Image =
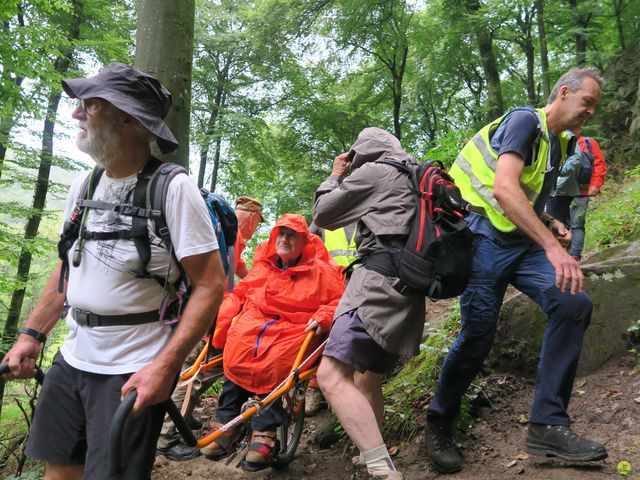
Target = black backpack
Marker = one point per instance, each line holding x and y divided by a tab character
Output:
149	195
586	164
436	258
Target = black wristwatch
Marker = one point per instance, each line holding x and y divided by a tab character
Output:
39	336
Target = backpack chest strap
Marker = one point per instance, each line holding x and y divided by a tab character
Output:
123	209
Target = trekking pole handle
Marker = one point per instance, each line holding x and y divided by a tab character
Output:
115	432
4	368
116	429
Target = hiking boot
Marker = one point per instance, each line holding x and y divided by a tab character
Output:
358	462
387	475
562	442
178	452
313	402
224	445
442	449
194	423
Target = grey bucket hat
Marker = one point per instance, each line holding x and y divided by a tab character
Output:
132	91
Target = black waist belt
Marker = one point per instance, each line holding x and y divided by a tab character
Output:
89	319
383	262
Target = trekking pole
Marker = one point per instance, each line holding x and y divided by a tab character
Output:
4	368
116	429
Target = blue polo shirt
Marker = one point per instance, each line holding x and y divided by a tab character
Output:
516	134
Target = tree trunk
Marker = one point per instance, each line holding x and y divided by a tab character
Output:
489	63
544	57
580	23
216	165
618	6
62	65
211	127
164	48
490	67
397	93
7	123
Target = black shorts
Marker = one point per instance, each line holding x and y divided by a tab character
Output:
72	420
350	343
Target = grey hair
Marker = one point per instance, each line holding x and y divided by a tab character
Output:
573	80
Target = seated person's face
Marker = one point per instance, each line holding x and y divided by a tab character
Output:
289	244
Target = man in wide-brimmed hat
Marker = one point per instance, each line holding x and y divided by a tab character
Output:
117	341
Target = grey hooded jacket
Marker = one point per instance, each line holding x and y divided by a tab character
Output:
378	197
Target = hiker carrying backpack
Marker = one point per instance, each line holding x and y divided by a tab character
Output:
585	171
436	259
147	202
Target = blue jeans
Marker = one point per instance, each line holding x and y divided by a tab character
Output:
578	220
526	267
572	211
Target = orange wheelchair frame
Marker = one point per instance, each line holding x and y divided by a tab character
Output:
292	389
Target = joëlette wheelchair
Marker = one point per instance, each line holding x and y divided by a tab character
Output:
291	390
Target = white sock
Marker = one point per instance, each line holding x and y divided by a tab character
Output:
378	460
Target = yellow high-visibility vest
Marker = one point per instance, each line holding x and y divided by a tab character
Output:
475	168
342	249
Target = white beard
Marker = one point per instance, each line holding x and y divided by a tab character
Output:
101	143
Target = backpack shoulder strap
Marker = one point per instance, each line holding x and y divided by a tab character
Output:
139	225
587	141
402	167
156	196
74	225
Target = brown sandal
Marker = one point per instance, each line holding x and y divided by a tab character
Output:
223	446
260	454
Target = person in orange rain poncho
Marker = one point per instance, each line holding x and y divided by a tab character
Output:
293	288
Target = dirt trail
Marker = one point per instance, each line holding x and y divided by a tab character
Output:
605	406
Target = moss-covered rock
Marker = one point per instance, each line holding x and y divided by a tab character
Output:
612	279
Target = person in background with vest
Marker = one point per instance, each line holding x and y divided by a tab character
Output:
571	199
249	213
170	444
375	323
506	172
341	244
116	341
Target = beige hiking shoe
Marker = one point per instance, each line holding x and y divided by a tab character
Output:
387	475
314	402
358	462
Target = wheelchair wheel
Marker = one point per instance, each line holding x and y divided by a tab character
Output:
290	431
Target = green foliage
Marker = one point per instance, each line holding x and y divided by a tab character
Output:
613	216
407	393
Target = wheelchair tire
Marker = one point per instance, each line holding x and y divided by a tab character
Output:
289	434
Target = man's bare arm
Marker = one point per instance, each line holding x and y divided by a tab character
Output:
24	354
155	381
512	199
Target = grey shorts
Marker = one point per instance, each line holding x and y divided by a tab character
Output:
72	420
350	343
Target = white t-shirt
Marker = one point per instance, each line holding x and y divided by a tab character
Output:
103	284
